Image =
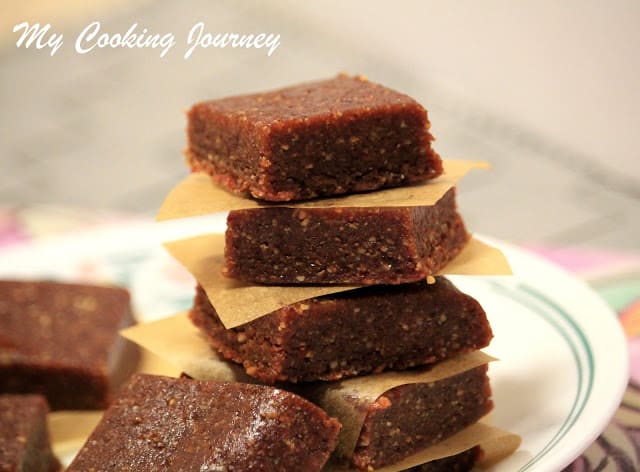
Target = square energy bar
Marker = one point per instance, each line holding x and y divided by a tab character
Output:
61	340
358	246
317	139
357	332
163	423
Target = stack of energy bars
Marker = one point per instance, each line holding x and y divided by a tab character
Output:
329	340
330	139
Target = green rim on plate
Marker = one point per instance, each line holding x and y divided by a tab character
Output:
581	351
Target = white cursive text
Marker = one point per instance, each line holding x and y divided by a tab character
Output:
89	38
198	38
36	34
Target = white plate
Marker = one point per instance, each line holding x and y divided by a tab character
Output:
564	362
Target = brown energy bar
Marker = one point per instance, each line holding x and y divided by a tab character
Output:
359	246
61	340
162	423
412	417
316	139
367	330
24	439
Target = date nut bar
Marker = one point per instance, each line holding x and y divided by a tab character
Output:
317	139
162	423
367	330
412	417
360	246
24	439
61	340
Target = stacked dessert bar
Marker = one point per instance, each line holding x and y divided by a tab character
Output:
329	139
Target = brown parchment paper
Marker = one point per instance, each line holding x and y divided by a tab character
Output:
69	430
198	195
179	342
496	444
238	303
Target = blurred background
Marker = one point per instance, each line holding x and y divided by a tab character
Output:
548	92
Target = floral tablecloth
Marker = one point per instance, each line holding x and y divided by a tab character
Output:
615	276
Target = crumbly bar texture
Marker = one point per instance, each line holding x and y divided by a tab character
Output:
162	423
24	439
317	139
368	330
61	340
409	418
462	462
360	246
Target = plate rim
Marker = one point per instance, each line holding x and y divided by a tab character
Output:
615	386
